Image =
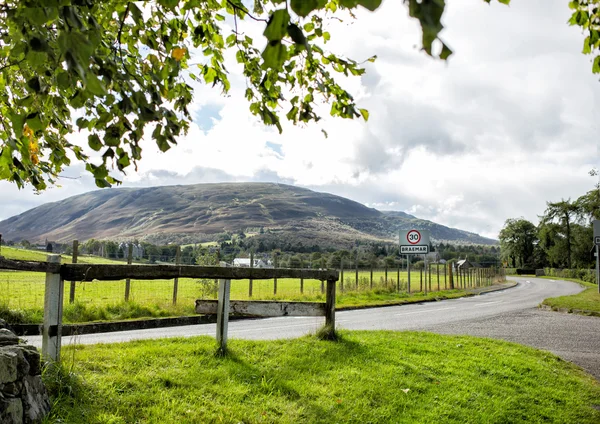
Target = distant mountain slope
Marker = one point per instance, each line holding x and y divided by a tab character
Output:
195	212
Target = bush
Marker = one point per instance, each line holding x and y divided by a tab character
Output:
587	275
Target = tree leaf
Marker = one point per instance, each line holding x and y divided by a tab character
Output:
304	7
446	52
297	35
94	142
274	55
178	53
94	85
596	65
349	4
102	183
364	113
372	5
34	122
277	26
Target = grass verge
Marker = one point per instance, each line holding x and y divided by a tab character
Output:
586	303
380	376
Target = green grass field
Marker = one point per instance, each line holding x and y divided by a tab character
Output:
587	302
36	255
366	377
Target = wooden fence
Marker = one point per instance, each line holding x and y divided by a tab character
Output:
57	273
431	277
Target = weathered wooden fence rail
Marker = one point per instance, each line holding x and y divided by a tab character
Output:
57	273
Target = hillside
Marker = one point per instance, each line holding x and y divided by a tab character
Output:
191	213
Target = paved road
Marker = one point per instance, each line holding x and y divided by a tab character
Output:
509	314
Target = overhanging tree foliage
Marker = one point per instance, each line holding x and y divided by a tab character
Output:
118	70
586	14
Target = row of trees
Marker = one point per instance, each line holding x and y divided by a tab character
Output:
562	239
365	254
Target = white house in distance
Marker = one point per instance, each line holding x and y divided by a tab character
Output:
137	250
466	264
258	263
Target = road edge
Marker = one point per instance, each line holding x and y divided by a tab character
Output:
471	293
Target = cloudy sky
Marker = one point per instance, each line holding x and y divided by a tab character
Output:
508	123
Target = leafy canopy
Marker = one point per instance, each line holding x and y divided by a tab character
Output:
586	14
117	69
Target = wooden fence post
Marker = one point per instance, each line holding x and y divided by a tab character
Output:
176	280
398	279
275	278
74	261
302	285
445	279
437	269
408	270
356	271
342	274
223	313
53	310
251	281
371	276
386	275
330	306
128	281
430	264
450	276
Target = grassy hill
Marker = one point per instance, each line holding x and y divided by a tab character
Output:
195	213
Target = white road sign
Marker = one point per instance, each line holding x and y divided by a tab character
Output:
414	250
415	242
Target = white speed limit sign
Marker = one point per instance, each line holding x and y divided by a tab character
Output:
414	242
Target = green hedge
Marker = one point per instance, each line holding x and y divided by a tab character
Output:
587	275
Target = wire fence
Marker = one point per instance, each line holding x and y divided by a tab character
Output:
22	290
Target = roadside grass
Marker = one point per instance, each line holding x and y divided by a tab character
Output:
586	303
377	377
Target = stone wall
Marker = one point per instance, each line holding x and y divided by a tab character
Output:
23	397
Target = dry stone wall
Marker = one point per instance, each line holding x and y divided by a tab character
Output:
23	397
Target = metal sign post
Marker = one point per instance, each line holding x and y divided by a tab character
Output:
413	242
596	225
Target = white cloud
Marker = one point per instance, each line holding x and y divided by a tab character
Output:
507	124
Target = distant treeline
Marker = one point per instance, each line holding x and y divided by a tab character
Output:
231	246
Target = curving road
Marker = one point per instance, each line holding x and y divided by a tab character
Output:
510	314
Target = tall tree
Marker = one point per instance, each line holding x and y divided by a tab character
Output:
565	213
517	240
589	204
117	70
